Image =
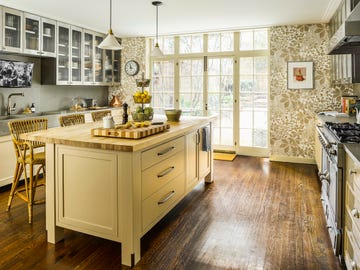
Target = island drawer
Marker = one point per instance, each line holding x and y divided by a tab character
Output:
351	251
352	211
352	173
155	177
158	204
161	152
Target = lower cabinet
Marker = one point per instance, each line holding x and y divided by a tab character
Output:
198	161
352	214
7	157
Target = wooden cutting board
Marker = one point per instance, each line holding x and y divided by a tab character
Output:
129	133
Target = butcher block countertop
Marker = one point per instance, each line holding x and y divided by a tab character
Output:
80	135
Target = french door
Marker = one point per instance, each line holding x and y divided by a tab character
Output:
235	89
206	88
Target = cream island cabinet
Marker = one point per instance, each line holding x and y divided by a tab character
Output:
352	209
118	189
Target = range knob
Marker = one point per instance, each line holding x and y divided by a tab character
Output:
332	152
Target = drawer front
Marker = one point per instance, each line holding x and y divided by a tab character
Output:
352	211
162	201
153	178
352	172
161	152
351	251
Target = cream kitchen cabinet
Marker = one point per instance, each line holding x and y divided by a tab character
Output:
198	162
352	214
8	161
12	21
39	35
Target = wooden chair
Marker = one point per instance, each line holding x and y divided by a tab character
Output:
29	156
98	116
71	119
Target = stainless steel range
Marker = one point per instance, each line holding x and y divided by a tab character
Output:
332	136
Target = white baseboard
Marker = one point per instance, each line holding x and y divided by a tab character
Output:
292	159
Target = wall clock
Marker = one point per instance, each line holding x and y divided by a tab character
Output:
132	67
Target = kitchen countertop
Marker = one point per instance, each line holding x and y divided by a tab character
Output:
353	149
80	135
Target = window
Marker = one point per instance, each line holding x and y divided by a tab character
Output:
221	42
206	74
191	44
162	85
191	86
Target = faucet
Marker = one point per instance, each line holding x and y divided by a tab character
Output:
9	108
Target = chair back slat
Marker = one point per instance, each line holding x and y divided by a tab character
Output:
71	119
98	116
18	127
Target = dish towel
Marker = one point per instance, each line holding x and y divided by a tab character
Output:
206	140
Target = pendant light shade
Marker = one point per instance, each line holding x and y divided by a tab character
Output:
156	51
110	42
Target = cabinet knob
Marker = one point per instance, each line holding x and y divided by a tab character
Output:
353	265
352	171
355	213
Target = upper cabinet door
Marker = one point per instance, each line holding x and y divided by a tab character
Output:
116	67
12	30
76	55
99	61
63	54
48	42
32	30
88	58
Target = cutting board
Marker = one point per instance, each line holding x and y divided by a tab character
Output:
129	133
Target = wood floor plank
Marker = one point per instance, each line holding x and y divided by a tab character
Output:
256	215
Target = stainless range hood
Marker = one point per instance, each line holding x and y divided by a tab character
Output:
346	40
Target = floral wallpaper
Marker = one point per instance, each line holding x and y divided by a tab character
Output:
292	112
133	49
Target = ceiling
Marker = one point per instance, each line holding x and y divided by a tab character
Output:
137	17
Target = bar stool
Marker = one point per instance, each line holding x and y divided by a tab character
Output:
71	119
29	156
98	116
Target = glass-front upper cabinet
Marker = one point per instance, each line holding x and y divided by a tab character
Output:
48	42
32	34
63	53
88	68
39	35
99	61
76	55
112	67
108	67
116	67
12	30
93	59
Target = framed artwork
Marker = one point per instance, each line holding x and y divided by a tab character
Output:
300	75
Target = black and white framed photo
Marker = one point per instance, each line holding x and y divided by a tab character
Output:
300	75
15	73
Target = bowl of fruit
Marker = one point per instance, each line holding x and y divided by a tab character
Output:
143	114
142	97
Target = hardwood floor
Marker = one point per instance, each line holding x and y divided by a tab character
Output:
256	215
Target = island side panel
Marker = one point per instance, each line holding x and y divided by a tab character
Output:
54	233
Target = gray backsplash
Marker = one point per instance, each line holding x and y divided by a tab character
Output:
47	97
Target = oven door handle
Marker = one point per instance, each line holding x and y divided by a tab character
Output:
327	144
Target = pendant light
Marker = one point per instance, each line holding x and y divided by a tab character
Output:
110	42
156	51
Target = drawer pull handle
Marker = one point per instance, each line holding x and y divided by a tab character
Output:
355	213
167	171
167	197
352	172
166	151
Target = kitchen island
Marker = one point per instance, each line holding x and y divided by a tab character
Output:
118	189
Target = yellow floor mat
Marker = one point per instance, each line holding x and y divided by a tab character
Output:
224	156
